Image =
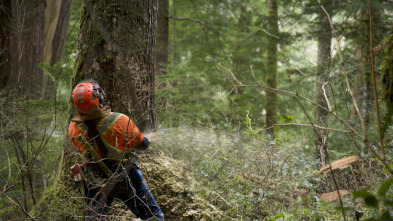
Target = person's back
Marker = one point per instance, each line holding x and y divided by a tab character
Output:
112	136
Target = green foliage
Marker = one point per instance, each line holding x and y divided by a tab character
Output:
380	204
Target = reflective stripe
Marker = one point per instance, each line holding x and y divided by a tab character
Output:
107	122
105	126
82	127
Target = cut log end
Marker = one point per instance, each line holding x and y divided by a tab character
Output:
333	196
340	164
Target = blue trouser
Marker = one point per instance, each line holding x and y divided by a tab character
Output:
136	195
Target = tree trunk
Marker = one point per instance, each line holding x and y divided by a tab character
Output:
271	75
57	14
323	63
161	45
365	84
5	38
115	48
22	43
387	83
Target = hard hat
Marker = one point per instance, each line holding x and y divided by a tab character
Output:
87	96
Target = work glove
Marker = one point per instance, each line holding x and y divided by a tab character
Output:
144	144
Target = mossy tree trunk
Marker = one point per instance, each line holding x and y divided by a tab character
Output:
271	75
116	48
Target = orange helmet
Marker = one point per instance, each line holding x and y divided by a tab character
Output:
87	96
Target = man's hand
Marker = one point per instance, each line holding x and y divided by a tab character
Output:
144	144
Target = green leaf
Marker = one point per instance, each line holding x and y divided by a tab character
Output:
369	198
385	187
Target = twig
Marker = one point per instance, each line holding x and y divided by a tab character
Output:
347	22
270	34
326	98
18	204
302	73
225	68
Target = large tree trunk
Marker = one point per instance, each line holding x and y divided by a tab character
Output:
271	75
162	36
115	48
323	63
22	47
5	38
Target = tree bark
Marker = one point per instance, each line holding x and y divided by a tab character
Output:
271	75
22	41
5	38
161	45
116	48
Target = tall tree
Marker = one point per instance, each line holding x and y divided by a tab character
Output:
22	46
115	47
161	45
323	63
57	14
271	74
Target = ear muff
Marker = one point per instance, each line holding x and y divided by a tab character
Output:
97	90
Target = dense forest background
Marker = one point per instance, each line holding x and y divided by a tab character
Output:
246	104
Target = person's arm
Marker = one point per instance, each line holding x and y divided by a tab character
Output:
135	139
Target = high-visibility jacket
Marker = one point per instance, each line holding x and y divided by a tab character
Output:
115	130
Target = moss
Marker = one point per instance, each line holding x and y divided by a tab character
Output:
173	189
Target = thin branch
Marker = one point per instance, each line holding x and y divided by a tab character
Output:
270	34
225	68
347	21
302	73
18	204
326	98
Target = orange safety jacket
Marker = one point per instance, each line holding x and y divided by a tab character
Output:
115	130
